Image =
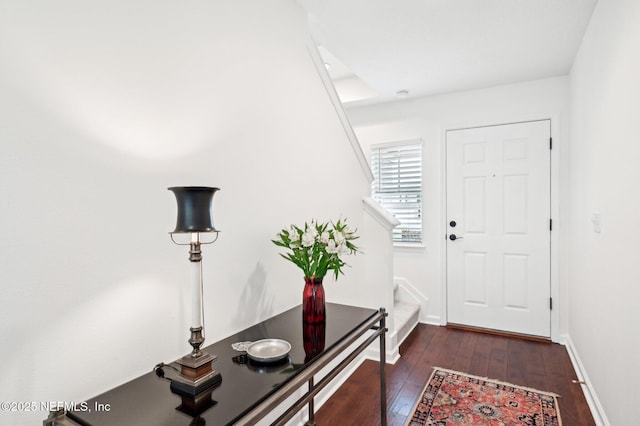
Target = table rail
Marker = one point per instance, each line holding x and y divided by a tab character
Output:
307	376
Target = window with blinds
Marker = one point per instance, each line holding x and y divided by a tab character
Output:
397	169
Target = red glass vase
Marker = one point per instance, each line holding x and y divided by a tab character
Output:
313	308
313	336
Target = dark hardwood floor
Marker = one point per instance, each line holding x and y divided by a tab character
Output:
539	365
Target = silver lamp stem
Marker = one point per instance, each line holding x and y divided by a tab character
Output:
197	322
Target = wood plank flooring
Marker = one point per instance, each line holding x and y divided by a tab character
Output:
543	366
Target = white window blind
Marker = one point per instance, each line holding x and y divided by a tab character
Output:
397	169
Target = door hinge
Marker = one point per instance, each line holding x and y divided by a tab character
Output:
550	143
550	224
551	303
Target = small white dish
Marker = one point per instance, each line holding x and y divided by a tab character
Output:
268	350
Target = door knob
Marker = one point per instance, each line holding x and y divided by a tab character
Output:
453	237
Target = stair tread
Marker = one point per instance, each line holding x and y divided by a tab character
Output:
406	311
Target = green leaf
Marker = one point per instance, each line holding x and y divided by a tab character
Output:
315	260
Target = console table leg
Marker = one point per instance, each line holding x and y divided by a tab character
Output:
312	420
383	361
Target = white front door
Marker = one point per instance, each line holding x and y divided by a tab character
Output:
498	227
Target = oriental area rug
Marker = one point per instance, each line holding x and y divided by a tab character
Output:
454	398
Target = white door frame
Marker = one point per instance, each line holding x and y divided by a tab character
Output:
557	331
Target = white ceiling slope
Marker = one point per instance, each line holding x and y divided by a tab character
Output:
438	46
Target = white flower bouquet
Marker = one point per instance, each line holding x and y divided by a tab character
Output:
316	248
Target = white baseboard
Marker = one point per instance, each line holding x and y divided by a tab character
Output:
392	356
432	320
597	411
393	349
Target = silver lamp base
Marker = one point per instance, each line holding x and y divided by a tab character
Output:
196	372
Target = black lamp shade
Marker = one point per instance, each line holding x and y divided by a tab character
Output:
194	208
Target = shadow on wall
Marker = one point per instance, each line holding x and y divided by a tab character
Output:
255	303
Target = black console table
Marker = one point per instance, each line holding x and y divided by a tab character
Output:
248	390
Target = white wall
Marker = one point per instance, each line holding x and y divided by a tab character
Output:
105	105
605	148
427	119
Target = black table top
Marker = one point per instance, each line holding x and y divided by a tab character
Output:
147	400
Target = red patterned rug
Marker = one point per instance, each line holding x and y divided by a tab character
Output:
454	398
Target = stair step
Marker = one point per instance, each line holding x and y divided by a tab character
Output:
405	317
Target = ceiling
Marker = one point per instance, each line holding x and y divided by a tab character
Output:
377	48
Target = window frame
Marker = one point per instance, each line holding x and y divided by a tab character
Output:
415	219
